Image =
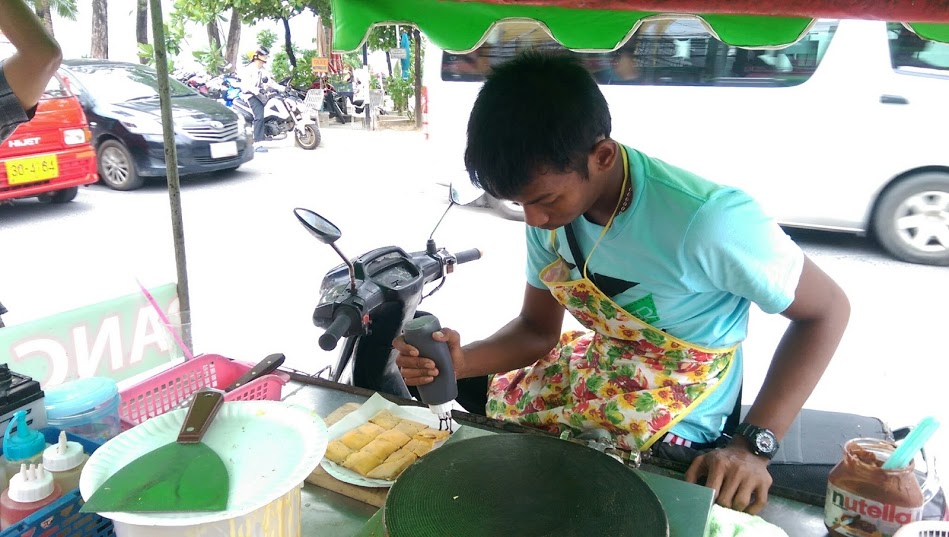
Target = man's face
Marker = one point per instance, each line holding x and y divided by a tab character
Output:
552	200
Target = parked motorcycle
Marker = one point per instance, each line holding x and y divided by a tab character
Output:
285	112
367	301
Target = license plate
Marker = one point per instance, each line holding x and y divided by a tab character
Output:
224	150
32	169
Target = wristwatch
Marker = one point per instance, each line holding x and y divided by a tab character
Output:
761	441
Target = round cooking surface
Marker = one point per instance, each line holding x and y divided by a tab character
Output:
521	485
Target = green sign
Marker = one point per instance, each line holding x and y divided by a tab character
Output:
119	339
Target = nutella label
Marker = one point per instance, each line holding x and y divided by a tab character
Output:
855	516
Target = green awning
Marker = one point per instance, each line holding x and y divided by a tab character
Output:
461	26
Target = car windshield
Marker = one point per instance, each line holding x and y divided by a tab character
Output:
121	83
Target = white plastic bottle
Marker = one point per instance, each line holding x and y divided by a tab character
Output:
64	461
30	490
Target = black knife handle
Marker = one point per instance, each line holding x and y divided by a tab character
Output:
266	366
203	408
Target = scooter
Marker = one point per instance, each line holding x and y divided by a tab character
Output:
283	113
367	301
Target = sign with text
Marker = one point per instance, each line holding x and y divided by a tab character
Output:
118	338
398	53
320	65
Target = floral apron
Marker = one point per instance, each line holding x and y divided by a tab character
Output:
623	375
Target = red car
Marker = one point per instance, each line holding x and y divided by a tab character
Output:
50	156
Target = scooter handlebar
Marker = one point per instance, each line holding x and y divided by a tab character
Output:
338	329
468	255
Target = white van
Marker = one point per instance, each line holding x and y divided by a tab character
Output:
843	130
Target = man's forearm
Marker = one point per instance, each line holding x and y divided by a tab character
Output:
37	57
24	29
514	346
799	361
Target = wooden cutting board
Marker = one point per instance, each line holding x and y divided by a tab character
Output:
319	477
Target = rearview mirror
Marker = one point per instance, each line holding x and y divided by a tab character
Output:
319	227
464	193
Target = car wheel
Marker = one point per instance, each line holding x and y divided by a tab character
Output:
116	167
506	209
310	138
60	196
911	220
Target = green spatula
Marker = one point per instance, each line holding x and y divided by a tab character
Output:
184	476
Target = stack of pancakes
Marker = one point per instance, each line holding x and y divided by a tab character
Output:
384	446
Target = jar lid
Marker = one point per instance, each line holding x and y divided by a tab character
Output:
25	443
31	484
63	455
78	396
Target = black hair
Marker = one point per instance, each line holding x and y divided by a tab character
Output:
536	112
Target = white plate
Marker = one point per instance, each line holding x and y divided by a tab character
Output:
354	419
223	150
268	448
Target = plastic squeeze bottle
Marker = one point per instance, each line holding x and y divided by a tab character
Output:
439	393
23	447
64	461
30	490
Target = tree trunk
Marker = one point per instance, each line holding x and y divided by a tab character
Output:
289	43
43	11
214	35
233	40
100	29
389	63
141	25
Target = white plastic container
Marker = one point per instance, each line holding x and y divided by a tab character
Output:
279	518
88	408
268	447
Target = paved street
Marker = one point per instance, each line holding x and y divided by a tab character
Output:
255	272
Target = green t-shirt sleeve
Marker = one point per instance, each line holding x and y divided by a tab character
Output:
540	254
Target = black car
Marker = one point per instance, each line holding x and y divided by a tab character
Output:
122	106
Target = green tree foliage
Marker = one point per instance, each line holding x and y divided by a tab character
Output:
401	90
382	38
301	76
212	58
266	38
174	36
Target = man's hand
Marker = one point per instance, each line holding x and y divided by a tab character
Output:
418	370
739	478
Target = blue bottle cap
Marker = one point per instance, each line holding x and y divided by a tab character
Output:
26	443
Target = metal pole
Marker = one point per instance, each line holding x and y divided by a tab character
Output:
171	164
418	77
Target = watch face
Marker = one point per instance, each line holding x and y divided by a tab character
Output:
766	442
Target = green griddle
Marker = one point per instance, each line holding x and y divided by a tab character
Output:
524	485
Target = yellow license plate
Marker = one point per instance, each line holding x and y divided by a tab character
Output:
32	169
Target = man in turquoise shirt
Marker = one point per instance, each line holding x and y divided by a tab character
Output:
680	254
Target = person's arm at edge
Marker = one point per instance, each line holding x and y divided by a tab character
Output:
38	55
819	315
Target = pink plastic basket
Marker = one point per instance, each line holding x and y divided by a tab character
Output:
165	391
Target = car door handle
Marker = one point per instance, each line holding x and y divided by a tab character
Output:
893	99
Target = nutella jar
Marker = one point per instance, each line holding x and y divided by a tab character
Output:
863	499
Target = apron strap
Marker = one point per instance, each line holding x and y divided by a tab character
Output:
575	249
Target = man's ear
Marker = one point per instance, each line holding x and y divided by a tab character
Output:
604	155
